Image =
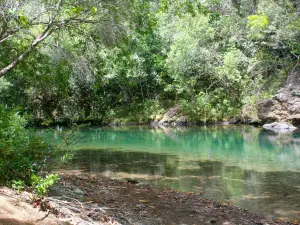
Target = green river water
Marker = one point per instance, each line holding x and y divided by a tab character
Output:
242	165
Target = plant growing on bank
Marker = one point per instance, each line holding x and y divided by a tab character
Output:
22	157
18	185
41	185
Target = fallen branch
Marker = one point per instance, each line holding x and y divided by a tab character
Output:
44	216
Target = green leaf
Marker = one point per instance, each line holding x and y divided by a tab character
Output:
94	10
23	19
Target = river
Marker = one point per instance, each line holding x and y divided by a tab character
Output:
243	165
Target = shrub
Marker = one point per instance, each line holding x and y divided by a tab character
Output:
40	185
22	156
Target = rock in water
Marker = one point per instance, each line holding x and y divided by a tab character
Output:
279	127
285	105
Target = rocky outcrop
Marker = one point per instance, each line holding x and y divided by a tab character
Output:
173	117
249	114
280	127
285	105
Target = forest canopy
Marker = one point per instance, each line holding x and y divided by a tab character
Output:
129	60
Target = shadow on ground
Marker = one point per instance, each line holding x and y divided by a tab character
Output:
9	221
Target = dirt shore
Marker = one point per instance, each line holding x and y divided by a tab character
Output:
131	203
87	200
15	210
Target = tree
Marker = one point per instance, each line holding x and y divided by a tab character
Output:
34	21
105	57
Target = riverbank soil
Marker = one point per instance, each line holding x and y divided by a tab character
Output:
14	210
22	209
131	203
92	200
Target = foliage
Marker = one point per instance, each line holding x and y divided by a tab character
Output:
40	185
142	113
22	156
257	24
18	185
128	60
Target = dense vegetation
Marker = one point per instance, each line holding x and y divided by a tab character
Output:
66	61
23	158
131	59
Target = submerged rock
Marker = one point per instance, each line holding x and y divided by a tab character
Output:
280	127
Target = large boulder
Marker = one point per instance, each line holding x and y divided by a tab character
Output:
285	105
174	117
270	111
280	127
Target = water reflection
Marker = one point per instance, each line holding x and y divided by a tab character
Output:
273	193
255	169
244	146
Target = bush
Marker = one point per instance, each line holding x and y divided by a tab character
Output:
40	185
210	107
22	156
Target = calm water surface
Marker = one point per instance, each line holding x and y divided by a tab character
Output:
243	165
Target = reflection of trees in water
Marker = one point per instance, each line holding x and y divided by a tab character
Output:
122	161
244	146
259	191
246	149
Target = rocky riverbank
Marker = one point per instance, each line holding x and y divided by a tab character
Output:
285	105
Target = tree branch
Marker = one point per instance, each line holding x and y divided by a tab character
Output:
45	33
24	55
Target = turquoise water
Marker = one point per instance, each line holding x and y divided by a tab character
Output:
242	165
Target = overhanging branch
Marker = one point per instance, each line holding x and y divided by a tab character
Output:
49	29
